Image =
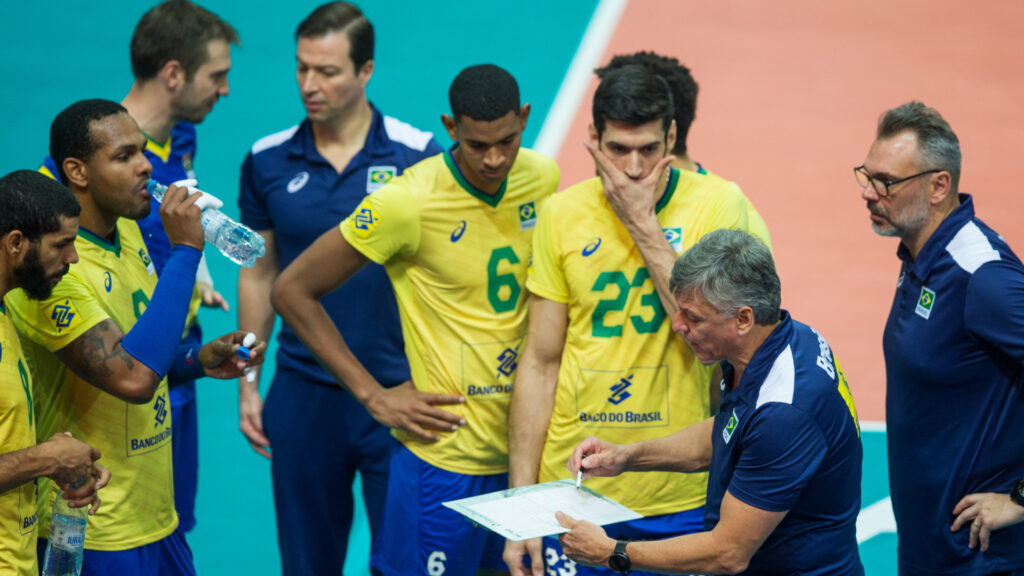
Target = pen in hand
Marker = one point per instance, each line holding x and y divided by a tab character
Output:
579	476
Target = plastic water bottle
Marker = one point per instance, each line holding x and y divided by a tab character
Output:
67	540
241	244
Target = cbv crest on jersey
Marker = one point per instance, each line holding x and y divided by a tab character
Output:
378	176
527	215
925	302
730	427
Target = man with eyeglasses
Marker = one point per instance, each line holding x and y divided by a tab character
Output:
954	354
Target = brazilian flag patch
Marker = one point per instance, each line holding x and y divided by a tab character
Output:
527	215
730	426
674	235
146	261
925	302
378	176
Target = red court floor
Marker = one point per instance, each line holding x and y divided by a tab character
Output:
790	93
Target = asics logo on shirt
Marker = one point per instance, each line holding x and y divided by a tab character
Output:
108	282
619	394
591	248
298	182
459	231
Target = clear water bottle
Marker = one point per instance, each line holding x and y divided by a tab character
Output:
67	540
237	241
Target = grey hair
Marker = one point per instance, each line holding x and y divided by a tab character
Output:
730	269
937	143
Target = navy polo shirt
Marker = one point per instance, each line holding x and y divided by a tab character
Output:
288	187
954	351
786	438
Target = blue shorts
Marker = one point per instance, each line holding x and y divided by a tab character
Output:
170	556
321	436
650	528
185	452
420	536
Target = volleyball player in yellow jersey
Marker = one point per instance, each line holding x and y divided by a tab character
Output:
453	233
37	235
103	342
601	357
684	100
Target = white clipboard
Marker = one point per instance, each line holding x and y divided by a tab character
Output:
529	511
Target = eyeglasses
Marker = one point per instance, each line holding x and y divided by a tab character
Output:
882	187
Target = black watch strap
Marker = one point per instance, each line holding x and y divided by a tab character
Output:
619	560
1017	494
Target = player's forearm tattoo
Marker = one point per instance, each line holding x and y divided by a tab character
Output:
92	358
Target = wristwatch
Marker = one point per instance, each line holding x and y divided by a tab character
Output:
1017	494
619	561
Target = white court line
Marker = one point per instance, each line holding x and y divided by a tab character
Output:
570	93
878	517
875	519
870	426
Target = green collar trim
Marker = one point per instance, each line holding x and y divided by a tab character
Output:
2	309
475	192
95	239
670	189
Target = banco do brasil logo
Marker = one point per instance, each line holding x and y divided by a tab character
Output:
364	221
63	314
507	362
619	394
160	407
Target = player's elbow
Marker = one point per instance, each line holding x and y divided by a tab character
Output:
732	560
731	565
137	389
282	294
136	395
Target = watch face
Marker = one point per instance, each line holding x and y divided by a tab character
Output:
619	562
1017	494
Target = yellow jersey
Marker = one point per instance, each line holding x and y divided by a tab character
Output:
457	260
624	376
18	517
110	281
161	152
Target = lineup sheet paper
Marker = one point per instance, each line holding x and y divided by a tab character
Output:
529	511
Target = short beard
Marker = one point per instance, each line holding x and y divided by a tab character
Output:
910	223
31	277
